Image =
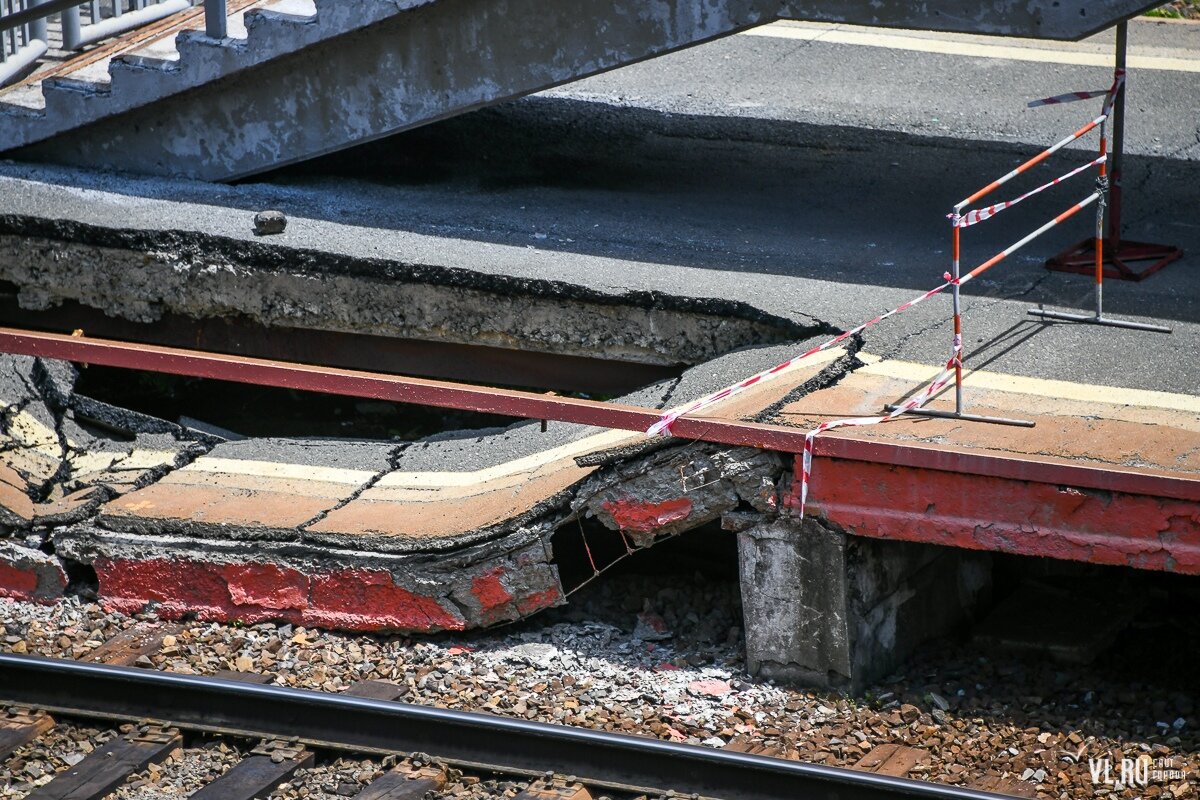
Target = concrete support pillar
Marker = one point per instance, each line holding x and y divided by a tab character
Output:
835	611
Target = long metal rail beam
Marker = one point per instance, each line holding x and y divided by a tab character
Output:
483	740
511	402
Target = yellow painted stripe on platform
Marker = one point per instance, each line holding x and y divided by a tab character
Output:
273	469
434	480
1042	387
28	430
833	34
138	459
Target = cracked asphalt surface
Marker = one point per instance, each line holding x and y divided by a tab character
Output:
806	178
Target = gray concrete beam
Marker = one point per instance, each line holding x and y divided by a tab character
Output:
428	63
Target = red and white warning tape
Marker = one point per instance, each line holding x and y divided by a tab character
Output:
663	426
980	214
932	389
1071	97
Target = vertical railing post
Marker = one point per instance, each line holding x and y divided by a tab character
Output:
214	19
1103	188
954	275
71	30
4	38
37	28
1118	144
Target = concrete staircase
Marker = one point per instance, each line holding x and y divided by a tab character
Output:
296	79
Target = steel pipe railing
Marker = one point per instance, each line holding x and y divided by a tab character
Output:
27	21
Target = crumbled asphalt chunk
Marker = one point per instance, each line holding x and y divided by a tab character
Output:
269	223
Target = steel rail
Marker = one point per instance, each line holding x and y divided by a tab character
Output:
511	402
478	740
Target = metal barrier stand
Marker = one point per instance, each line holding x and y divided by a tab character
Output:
1102	188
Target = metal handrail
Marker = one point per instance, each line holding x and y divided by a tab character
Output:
35	13
214	15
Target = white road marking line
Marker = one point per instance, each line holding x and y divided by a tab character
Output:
918	44
273	469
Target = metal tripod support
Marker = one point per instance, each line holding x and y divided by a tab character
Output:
1119	256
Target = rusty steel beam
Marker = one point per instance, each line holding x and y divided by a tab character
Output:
511	402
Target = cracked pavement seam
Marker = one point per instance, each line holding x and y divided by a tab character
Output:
392	465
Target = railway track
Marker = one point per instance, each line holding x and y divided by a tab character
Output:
282	730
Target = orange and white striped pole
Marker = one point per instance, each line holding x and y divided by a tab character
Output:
956	256
1102	190
1031	163
1017	245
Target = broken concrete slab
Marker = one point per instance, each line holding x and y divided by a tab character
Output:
449	532
31	447
29	574
63	453
16	507
679	489
316	584
456	488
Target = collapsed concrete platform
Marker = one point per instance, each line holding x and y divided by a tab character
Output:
451	532
384	536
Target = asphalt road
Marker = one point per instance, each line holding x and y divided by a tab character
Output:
807	176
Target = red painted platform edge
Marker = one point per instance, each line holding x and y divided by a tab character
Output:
1011	466
30	575
352	599
1005	515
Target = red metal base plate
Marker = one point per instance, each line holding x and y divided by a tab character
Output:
1120	262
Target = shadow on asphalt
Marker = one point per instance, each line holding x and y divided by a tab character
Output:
743	194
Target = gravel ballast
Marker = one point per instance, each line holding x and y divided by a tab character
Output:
662	657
